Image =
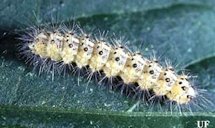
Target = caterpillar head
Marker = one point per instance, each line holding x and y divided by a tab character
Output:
182	92
165	81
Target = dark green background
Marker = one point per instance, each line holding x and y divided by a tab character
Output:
177	30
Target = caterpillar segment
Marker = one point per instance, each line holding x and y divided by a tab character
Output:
54	46
39	45
165	81
100	56
85	51
133	69
70	48
150	75
116	62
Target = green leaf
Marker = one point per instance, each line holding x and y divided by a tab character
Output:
46	117
181	31
21	12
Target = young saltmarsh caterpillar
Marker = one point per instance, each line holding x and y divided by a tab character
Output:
111	60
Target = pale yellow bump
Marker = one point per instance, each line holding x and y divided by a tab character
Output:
54	46
116	62
181	92
38	47
165	81
70	48
85	52
133	69
149	76
100	56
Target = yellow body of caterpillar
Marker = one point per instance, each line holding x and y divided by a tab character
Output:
113	61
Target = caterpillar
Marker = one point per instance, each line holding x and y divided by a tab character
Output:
65	48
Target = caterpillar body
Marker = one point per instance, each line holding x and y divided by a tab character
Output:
67	47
